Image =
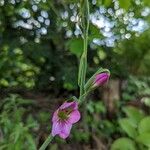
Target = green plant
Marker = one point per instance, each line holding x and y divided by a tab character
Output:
16	127
136	130
97	123
97	120
136	87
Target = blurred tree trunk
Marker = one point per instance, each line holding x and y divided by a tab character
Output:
111	94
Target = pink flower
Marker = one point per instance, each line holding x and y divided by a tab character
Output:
101	79
63	118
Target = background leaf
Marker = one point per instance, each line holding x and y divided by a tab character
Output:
129	127
144	125
144	138
123	144
76	46
125	4
134	114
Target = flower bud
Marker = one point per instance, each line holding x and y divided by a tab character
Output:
101	79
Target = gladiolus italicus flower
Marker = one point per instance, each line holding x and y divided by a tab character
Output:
101	79
63	118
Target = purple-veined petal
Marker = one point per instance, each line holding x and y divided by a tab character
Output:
74	116
56	128
55	116
101	78
65	129
73	105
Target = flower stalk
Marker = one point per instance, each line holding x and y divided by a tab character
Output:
46	142
83	60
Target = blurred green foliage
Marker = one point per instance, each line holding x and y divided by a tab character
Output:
136	128
136	88
41	42
40	47
15	126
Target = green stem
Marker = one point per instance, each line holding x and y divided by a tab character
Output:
46	142
85	22
86	26
85	34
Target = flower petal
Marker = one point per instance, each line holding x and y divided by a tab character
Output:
55	116
74	116
73	105
56	128
65	129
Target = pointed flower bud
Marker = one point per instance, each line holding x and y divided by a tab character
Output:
101	79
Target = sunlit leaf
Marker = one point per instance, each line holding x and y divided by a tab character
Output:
123	144
125	4
107	3
134	114
146	2
144	125
144	138
76	46
127	125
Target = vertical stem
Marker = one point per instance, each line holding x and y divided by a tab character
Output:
85	33
46	142
83	61
85	19
86	25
